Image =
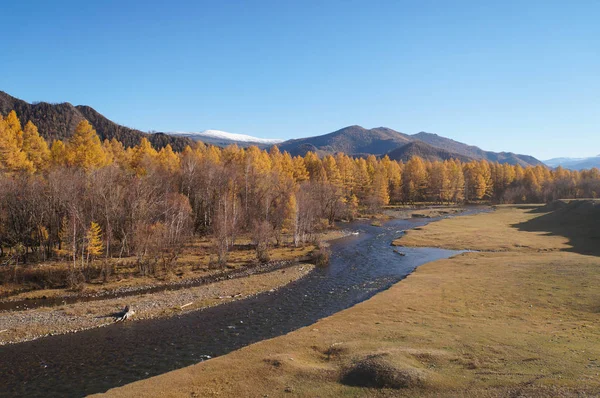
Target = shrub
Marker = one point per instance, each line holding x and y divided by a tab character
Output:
321	255
38	277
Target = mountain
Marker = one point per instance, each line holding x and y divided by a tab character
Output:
425	151
222	138
58	121
474	152
574	163
352	140
358	141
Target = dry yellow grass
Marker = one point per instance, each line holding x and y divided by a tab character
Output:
521	320
417	212
479	232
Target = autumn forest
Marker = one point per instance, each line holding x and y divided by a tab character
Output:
82	199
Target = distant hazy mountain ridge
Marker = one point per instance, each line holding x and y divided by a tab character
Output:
574	163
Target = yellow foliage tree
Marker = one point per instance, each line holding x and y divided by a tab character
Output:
141	155
314	167
414	179
362	178
286	165
58	153
168	159
332	171
380	188
93	239
84	148
14	126
35	147
299	169
291	214
115	152
12	157
439	183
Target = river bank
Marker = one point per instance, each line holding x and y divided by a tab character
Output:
31	315
52	312
518	318
20	326
191	266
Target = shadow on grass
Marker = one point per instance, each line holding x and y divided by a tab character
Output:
577	220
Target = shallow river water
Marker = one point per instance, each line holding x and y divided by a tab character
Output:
98	359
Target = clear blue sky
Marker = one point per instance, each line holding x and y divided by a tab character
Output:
520	76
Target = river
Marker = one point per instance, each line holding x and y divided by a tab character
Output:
96	360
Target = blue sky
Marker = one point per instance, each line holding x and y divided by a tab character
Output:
521	76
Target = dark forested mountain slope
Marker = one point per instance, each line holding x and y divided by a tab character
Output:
58	121
425	151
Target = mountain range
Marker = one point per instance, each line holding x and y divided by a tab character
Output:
58	121
358	141
574	163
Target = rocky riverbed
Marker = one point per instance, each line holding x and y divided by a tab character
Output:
20	326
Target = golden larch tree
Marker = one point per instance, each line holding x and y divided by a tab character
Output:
12	157
299	169
84	148
35	147
93	237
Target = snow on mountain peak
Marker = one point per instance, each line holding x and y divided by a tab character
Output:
223	135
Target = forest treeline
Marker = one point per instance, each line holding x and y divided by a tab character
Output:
82	199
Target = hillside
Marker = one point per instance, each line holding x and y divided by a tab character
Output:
58	121
474	152
350	140
425	151
356	140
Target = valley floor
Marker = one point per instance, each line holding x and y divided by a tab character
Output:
520	317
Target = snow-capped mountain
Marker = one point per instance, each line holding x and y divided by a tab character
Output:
223	138
574	163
